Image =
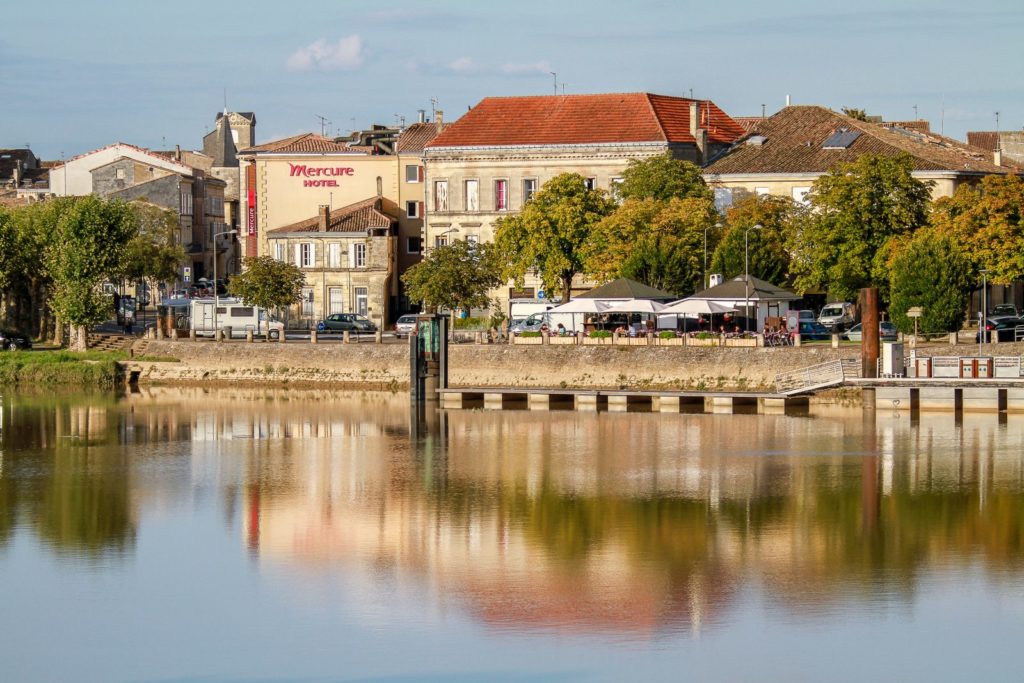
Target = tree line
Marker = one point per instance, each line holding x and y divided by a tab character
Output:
56	255
867	223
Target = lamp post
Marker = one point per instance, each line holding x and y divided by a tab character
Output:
216	292
717	225
983	314
746	275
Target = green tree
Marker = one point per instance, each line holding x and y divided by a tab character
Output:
153	255
932	272
455	276
88	248
663	177
988	222
860	210
551	233
268	283
769	259
854	113
658	243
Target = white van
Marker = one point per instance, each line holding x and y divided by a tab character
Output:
838	316
235	314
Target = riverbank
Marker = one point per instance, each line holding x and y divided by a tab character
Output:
386	366
61	369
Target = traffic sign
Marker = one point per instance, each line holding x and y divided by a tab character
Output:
915	312
187	274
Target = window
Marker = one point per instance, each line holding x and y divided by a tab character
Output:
335	302
440	195
279	251
590	183
472	195
119	173
413	173
472	241
723	198
334	255
362	301
186	203
217	206
358	255
616	188
440	242
412	209
414	245
241	311
501	195
800	194
529	189
761	191
307	301
306	255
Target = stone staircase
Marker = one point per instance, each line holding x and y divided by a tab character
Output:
109	342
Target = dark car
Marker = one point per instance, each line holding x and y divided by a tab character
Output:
811	331
14	341
1001	310
346	322
1003	329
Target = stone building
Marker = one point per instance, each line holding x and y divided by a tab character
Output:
1009	144
492	160
232	131
284	182
785	153
347	256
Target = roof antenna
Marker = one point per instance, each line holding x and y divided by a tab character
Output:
323	124
942	116
762	111
433	108
554	78
225	101
915	113
563	88
691	93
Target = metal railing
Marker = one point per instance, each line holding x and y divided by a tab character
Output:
819	376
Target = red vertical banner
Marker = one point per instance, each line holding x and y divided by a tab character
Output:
250	217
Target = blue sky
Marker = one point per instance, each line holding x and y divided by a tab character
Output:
81	74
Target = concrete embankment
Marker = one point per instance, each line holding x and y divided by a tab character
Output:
386	366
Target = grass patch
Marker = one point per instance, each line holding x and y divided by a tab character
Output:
157	359
61	368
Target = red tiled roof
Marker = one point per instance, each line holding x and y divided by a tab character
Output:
983	139
358	217
186	169
305	143
793	140
414	138
584	119
748	122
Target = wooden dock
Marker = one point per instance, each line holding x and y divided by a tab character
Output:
621	401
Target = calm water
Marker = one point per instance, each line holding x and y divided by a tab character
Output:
188	535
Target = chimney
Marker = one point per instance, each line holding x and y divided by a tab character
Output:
788	101
997	157
325	217
422	118
177	152
439	119
17	172
693	118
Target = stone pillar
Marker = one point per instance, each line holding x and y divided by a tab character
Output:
192	335
345	337
218	335
835	340
248	336
313	336
378	337
174	333
954	338
159	333
797	339
539	401
545	338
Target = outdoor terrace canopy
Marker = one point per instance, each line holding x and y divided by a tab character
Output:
624	289
736	292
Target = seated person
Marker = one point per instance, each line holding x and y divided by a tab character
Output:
560	330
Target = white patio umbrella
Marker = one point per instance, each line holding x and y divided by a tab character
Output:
637	306
580	306
696	307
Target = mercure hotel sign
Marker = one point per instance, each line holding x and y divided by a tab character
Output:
319	176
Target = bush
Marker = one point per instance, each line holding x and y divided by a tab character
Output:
60	369
470	324
529	334
705	335
600	334
667	334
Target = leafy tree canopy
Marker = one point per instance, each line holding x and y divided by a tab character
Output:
153	253
859	209
268	283
769	259
455	276
933	272
854	113
663	177
550	234
658	243
988	222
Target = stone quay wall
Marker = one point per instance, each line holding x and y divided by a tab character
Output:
386	366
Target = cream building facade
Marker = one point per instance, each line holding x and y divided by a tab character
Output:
490	162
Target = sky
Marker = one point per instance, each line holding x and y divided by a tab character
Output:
81	74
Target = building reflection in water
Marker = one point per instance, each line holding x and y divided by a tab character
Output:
627	523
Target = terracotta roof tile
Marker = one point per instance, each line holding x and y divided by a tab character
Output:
794	137
414	138
305	143
983	139
584	119
358	217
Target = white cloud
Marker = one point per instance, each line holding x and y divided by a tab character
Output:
462	65
521	69
346	53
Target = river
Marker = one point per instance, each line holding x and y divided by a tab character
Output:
248	535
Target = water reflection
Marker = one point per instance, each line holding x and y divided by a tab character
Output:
620	523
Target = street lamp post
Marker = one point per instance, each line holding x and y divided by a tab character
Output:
216	292
983	315
717	225
746	275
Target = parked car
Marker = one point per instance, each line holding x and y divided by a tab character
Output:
837	316
1003	329
886	332
1008	310
14	341
405	326
812	331
346	322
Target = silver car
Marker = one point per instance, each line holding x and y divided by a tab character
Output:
405	326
